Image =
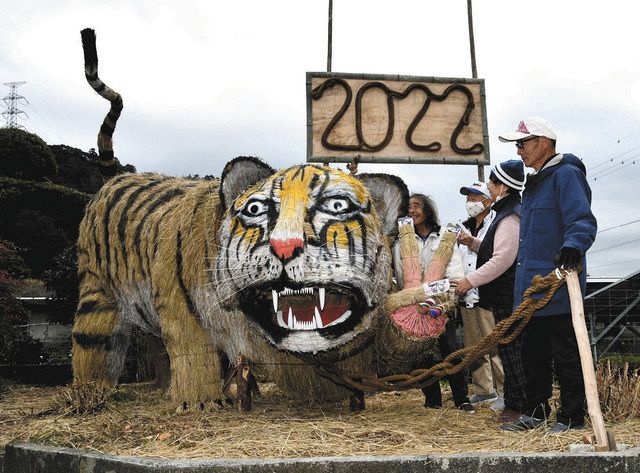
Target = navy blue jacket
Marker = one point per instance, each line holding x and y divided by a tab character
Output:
556	212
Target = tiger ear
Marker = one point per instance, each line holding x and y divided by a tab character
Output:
390	197
239	174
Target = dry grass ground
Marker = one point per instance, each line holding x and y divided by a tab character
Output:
139	421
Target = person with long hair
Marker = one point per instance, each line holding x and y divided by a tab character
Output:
424	213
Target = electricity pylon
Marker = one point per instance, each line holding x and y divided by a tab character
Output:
11	102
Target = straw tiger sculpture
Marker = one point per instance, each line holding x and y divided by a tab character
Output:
261	263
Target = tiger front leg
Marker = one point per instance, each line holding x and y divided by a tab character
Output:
196	367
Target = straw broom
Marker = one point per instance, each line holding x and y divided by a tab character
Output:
421	321
415	316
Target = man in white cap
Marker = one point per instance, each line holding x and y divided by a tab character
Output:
557	228
477	323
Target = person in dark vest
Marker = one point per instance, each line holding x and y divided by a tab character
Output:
495	275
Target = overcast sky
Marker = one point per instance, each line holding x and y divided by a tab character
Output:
205	81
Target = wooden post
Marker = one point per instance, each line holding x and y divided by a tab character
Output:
474	69
329	46
243	385
602	440
330	36
472	43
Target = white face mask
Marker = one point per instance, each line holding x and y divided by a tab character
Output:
474	208
500	196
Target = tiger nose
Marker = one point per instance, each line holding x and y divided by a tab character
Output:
287	248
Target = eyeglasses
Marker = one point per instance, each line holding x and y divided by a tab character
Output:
520	143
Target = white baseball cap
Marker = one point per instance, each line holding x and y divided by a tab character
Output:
476	188
528	128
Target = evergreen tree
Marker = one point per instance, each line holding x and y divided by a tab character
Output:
24	155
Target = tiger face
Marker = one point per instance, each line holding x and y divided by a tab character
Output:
304	254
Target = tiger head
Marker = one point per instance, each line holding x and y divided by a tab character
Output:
304	252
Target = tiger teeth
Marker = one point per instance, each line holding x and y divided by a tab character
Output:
275	295
314	324
295	292
340	319
291	320
294	324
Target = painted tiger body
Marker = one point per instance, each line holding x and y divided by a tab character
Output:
299	260
258	263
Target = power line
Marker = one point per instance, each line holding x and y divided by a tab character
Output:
606	172
614	246
611	264
613	159
618	226
45	122
613	144
611	171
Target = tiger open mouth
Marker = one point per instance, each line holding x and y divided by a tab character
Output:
329	309
309	308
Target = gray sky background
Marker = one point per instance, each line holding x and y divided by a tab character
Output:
205	81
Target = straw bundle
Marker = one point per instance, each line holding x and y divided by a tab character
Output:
301	382
441	258
619	391
415	315
409	255
397	352
143	423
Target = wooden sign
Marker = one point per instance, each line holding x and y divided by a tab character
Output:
396	119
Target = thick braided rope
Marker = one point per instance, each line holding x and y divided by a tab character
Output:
503	333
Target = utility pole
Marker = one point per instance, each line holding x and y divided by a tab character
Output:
330	36
11	102
474	70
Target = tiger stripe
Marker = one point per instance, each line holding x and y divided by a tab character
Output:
105	144
92	306
109	210
155	202
122	223
180	277
121	242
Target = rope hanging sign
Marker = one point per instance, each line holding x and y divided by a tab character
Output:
396	119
